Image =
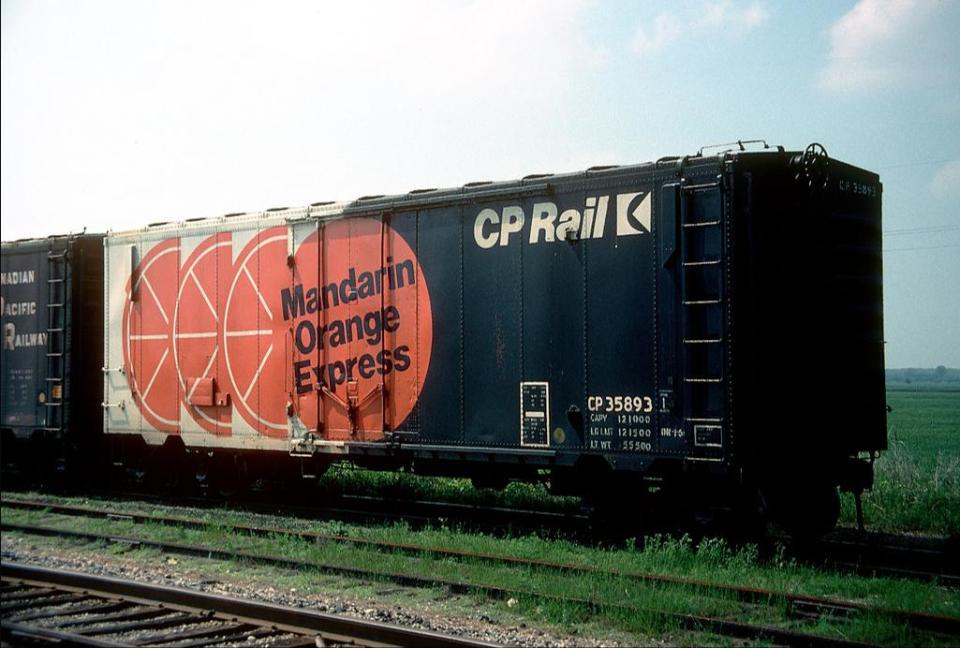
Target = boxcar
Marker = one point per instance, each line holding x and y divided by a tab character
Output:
708	324
52	305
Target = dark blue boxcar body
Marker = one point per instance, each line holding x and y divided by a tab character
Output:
716	316
52	298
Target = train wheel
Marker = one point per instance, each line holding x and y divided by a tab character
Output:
828	511
622	517
164	467
229	476
747	520
805	513
494	482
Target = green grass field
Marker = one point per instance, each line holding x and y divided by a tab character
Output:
918	479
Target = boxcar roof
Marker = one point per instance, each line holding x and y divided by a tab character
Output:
435	197
44	242
417	198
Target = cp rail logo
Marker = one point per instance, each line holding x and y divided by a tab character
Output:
547	223
336	338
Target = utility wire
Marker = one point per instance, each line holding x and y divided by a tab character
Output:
921	230
928	247
912	164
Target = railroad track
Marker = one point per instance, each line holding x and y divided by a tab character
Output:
867	554
499	520
798	606
44	606
920	558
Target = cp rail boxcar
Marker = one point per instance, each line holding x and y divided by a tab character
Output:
52	305
711	324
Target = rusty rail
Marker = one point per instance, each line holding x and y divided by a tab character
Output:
81	609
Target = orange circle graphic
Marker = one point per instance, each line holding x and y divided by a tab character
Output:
363	339
197	343
148	326
255	339
337	340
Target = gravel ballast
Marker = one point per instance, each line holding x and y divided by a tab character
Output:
449	614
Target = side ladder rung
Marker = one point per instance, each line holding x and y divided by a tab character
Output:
701	224
703	341
701	186
702	302
690	264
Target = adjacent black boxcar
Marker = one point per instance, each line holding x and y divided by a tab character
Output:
52	310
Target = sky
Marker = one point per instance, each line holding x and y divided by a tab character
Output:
116	114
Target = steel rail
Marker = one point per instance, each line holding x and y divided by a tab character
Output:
906	556
364	508
367	508
803	604
781	636
331	628
870	554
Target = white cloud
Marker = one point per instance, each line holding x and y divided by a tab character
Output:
881	45
722	15
666	29
946	181
754	15
726	15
